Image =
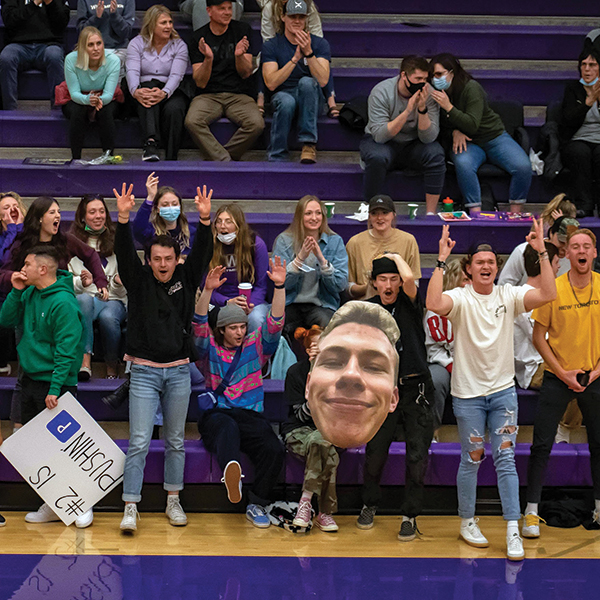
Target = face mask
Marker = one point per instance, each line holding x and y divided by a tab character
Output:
170	213
413	88
441	83
227	238
590	84
91	231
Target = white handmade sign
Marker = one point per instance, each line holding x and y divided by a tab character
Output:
67	458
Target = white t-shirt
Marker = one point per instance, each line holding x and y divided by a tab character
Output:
483	339
439	339
514	272
527	358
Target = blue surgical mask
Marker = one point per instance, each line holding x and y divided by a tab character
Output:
590	84
170	213
441	83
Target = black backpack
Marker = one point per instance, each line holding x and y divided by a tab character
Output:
355	113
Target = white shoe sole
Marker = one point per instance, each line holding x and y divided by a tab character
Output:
364	527
530	536
326	529
260	526
85	524
177	523
474	544
516	558
128	528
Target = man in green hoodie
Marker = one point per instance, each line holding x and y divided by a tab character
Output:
43	304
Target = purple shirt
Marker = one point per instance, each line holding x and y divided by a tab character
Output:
144	63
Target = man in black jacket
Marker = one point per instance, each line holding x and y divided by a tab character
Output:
159	344
33	32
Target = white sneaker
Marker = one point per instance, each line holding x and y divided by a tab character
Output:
596	516
531	526
563	435
44	514
130	517
174	512
85	520
514	547
471	534
232	478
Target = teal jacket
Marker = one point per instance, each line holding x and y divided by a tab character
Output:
51	348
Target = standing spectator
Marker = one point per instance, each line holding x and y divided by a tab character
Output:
196	11
475	133
93	225
304	439
483	389
157	59
114	21
295	66
402	131
221	55
92	77
162	214
236	422
381	236
42	305
397	293
33	34
160	345
317	267
246	260
579	132
566	335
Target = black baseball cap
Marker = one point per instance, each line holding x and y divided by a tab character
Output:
383	202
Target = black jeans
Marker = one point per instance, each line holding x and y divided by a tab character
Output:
227	432
33	396
583	160
305	314
552	403
78	115
415	413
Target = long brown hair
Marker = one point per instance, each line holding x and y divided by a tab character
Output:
243	250
106	240
160	225
296	229
279	7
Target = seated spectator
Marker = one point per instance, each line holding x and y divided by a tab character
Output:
157	59
162	214
579	132
235	423
221	55
381	236
34	36
246	260
514	270
529	365
304	439
402	131
295	66
114	21
12	215
92	77
473	134
93	225
317	267
196	11
439	341
271	24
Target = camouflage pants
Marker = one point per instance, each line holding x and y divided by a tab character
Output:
322	460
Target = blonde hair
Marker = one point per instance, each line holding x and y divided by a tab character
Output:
151	17
83	58
560	202
453	275
296	229
20	204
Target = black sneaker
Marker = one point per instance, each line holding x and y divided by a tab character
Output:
150	152
118	397
365	519
408	530
2	521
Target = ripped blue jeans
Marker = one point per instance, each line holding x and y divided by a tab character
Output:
498	413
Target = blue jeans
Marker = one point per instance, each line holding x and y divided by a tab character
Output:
110	316
258	317
499	413
151	386
307	100
503	152
22	57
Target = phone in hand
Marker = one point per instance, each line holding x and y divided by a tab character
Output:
583	379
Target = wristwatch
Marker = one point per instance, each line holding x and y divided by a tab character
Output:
423	112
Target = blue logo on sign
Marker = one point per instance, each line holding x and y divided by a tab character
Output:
63	426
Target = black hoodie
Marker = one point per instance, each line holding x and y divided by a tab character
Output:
26	23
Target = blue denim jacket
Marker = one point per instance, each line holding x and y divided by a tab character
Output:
330	285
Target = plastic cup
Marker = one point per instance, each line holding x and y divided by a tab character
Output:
245	289
329	209
412	211
448	206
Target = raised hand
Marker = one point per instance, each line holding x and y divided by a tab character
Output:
442	99
536	237
202	201
304	42
446	243
423	94
205	49
100	8
113	6
306	248
151	186
242	47
125	200
213	279
277	270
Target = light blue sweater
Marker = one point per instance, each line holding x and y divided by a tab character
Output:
81	82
